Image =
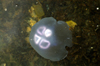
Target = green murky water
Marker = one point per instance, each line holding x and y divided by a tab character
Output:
15	50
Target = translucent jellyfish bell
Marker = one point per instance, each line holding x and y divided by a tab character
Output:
49	38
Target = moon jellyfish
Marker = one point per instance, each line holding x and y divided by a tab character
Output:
50	37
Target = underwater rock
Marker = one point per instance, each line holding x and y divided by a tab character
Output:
50	37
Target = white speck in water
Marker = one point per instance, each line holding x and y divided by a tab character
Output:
91	47
5	9
36	2
97	25
16	5
68	38
97	8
